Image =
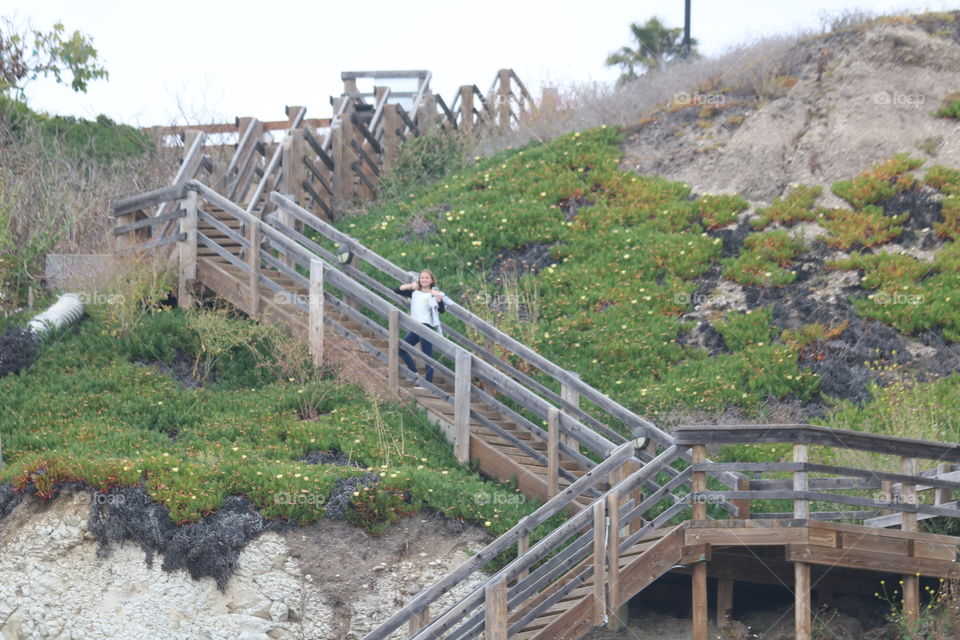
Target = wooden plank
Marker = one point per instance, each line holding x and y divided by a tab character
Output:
744	536
867	561
418	621
893	519
651	564
825	436
573	623
393	352
148	199
149	222
695	553
613	557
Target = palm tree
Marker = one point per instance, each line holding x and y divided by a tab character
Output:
657	47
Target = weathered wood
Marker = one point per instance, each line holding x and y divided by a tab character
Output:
148	199
495	605
908	522
466	110
461	411
613	557
391	139
698	483
801	508
523	544
149	222
599	559
316	312
724	602
801	606
503	99
384	75
823	436
188	253
505	541
871	561
699	599
253	262
393	352
418	621
553	452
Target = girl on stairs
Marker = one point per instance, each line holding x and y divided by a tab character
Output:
427	302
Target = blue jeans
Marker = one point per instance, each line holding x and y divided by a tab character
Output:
412	339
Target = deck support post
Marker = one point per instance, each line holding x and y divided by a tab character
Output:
617	616
523	544
801	508
418	621
699	599
801	590
724	602
315	331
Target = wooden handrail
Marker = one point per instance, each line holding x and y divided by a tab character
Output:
825	436
275	159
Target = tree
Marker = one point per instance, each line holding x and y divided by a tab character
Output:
26	54
657	47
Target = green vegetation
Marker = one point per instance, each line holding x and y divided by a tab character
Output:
951	107
657	46
765	260
864	227
105	410
619	273
882	181
796	206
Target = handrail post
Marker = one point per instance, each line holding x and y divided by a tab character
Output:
316	312
743	506
617	614
418	621
466	109
553	452
391	138
393	351
571	396
254	235
908	522
801	508
495	614
599	561
461	405
523	545
427	114
698	483
188	253
943	496
503	99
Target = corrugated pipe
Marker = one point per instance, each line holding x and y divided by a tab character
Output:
65	311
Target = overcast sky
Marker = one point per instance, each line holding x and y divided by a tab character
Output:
208	60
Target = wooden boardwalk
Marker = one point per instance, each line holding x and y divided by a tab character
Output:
637	510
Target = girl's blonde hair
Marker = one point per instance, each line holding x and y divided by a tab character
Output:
433	279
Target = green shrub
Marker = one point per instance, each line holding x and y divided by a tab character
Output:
950	108
882	181
864	227
754	327
795	207
764	260
720	210
945	179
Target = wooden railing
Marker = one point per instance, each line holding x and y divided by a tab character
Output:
590	545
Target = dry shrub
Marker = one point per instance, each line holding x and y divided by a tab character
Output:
55	202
